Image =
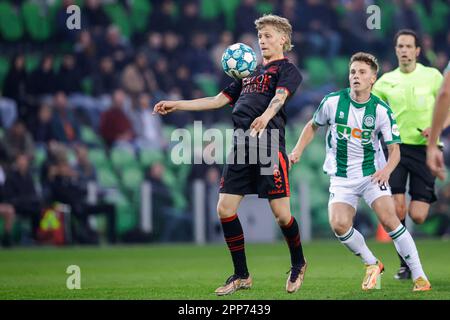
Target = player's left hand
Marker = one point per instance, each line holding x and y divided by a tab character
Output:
426	132
381	177
258	125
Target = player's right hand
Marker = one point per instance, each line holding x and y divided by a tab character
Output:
164	107
293	158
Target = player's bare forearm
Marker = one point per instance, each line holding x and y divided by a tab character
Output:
441	114
165	107
260	123
394	157
276	103
202	104
307	135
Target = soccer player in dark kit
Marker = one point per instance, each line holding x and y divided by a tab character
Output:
257	102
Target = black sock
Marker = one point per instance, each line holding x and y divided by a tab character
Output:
292	235
402	262
234	236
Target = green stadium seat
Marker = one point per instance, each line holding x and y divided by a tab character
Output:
36	23
40	154
209	9
98	158
140	12
32	62
4	67
89	136
122	158
132	178
318	71
207	84
264	7
340	70
119	17
148	157
11	27
107	178
229	8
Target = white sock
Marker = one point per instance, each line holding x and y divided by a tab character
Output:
406	247
354	240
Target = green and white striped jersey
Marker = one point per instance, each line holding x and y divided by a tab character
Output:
354	133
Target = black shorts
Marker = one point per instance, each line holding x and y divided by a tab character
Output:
421	181
242	179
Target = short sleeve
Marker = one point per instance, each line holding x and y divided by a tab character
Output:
289	78
388	127
438	79
321	115
233	91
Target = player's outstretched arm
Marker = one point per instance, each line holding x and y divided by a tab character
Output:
307	135
164	107
382	175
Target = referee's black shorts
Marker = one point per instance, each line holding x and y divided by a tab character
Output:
248	178
421	182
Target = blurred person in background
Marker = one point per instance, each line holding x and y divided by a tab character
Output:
7	212
42	81
116	47
41	128
171	224
65	126
147	127
20	190
18	140
115	126
85	51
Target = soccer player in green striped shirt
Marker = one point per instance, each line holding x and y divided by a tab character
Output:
411	90
356	121
441	120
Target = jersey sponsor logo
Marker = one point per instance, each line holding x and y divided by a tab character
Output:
346	132
341	115
369	121
395	130
272	192
258	84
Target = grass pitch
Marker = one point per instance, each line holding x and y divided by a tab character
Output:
193	272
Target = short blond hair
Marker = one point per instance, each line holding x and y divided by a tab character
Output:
367	58
280	24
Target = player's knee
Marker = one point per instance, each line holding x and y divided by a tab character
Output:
418	218
400	210
224	210
340	227
283	220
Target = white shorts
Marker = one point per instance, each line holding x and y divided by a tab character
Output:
349	190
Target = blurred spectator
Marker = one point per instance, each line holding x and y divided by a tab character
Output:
148	127
406	17
116	47
65	127
165	77
225	40
318	23
172	48
115	127
86	174
68	78
7	213
106	79
65	187
18	140
246	14
42	127
190	21
162	16
86	53
137	77
15	90
94	16
43	79
171	224
197	57
21	192
153	47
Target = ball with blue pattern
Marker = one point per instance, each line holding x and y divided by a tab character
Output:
239	61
